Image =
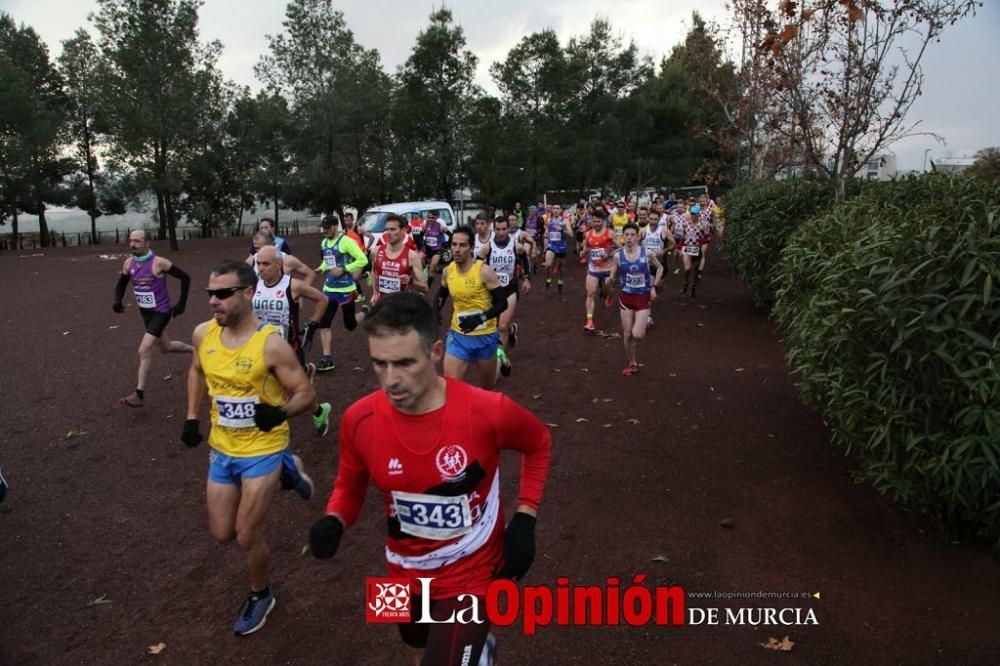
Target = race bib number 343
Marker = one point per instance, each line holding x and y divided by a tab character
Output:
432	516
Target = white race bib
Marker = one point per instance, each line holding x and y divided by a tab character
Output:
597	254
503	279
692	250
236	412
432	516
388	285
555	236
466	313
145	299
634	281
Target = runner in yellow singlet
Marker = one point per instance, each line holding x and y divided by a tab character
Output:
255	384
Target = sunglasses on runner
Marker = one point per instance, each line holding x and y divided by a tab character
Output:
225	292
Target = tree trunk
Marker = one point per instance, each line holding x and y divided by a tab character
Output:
43	226
171	222
840	187
13	227
275	210
90	186
239	212
160	166
161	215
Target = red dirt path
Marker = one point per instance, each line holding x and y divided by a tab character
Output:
120	512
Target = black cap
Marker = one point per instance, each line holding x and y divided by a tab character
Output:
328	221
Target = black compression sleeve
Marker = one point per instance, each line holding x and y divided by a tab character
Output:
120	287
499	300
185	283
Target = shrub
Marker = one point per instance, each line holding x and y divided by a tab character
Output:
759	219
892	327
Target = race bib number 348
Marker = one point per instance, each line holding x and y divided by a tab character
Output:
236	412
432	516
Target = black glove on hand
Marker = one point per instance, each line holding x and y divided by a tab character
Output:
324	537
307	336
268	417
118	307
471	322
518	547
190	435
178	310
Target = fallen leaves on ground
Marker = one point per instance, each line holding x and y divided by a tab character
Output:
727	522
99	601
156	649
552	425
784	645
606	425
581	420
167	378
634	421
738	370
111	328
536	396
76	433
661	558
305	549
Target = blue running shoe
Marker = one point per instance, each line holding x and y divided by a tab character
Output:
295	478
254	613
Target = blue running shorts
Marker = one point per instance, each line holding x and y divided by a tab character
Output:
230	469
472	347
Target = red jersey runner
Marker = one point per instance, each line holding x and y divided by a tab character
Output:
440	481
392	274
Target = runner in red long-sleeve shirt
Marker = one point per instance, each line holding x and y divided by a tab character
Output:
432	447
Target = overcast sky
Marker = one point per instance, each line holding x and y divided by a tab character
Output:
961	94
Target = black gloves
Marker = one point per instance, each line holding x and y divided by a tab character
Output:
518	547
190	435
307	335
178	310
268	417
118	307
324	537
471	322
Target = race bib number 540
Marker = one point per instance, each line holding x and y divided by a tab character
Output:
432	516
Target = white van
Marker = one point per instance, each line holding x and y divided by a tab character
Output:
373	220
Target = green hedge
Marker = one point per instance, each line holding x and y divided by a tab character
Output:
759	219
892	326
